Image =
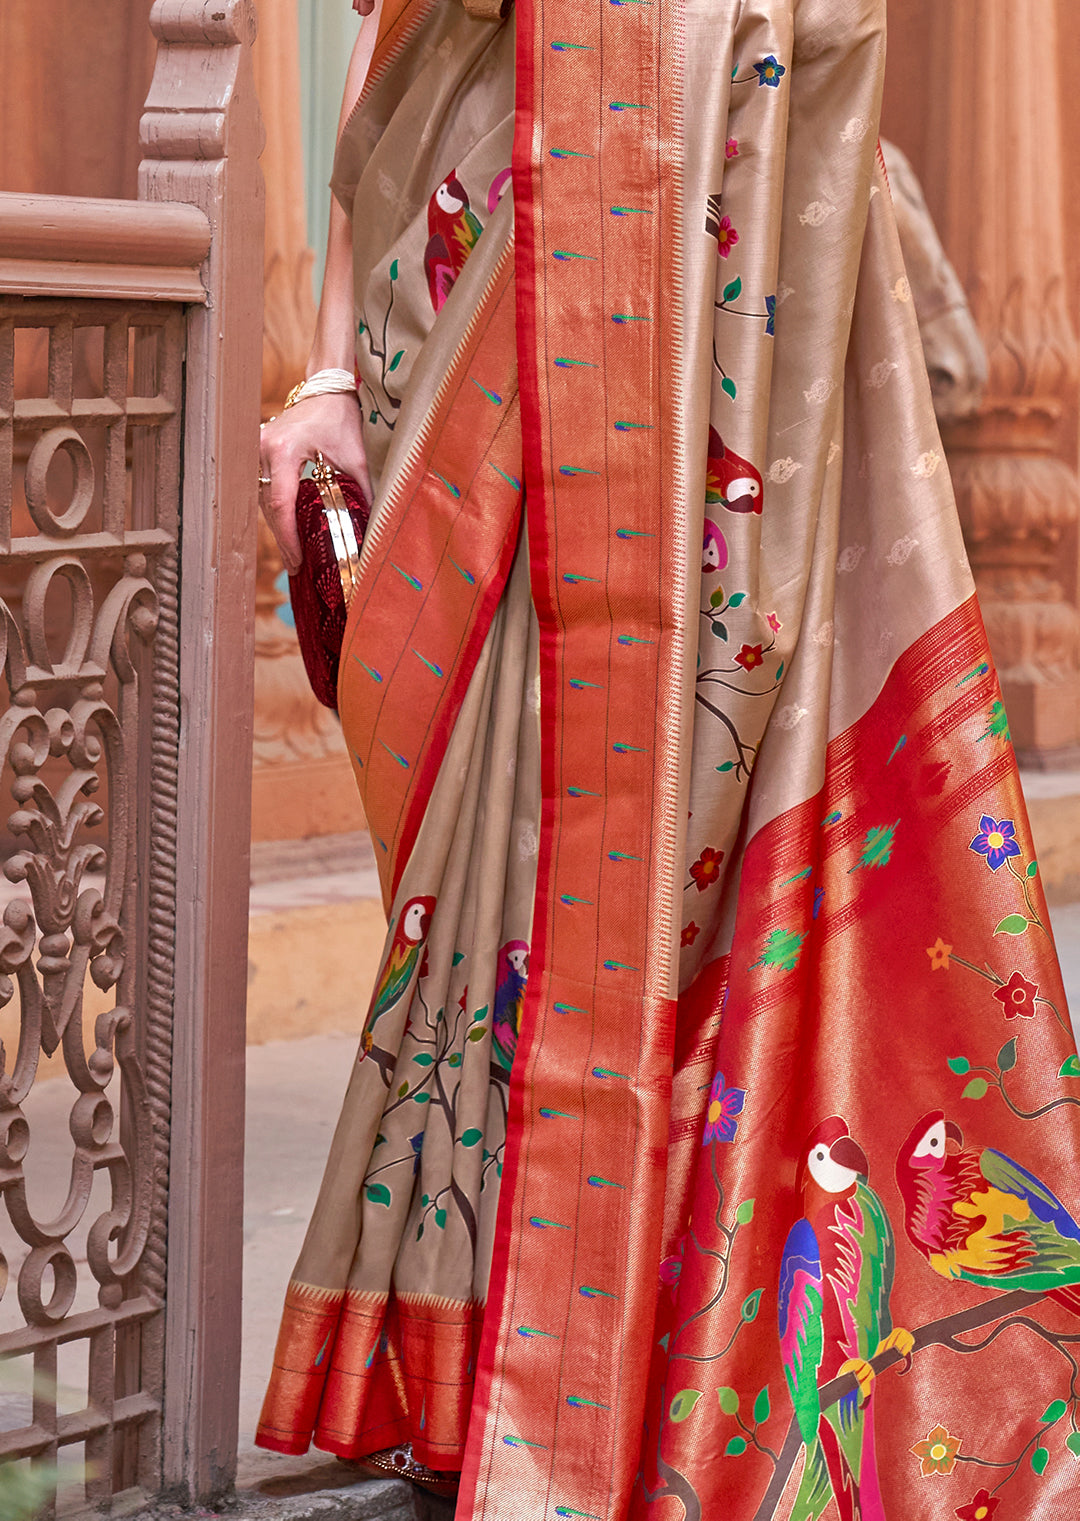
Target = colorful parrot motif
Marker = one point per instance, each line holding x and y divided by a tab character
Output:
453	230
397	973
513	973
978	1215
714	550
835	1280
731	482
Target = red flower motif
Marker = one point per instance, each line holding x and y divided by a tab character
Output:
774	623
981	1508
1017	997
726	237
706	869
690	932
731	148
750	657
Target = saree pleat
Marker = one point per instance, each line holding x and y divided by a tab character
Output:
711	1148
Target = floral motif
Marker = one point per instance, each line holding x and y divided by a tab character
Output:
690	933
671	1267
731	148
770	311
720	1117
939	955
769	72
706	869
750	657
1017	997
996	840
774	623
937	1453
981	1508
726	237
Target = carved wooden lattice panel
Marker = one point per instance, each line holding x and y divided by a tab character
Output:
90	396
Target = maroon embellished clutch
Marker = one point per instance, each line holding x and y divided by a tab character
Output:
331	518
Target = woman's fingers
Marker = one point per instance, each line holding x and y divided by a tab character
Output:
329	425
363	7
278	502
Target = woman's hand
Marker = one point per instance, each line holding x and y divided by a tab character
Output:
322	424
363	7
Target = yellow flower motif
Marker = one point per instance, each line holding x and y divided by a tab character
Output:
939	956
937	1453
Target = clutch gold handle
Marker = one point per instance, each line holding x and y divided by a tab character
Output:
339	521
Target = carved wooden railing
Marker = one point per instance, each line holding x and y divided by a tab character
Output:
130	340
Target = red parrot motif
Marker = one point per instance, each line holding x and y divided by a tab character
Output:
714	550
731	482
453	230
977	1215
396	977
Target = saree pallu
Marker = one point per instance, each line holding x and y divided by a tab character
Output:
712	1145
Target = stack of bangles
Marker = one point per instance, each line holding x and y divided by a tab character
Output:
322	383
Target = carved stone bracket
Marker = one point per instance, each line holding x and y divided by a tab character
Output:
995	183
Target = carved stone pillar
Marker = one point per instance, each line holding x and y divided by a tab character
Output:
302	782
995	183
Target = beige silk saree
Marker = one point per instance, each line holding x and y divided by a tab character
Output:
711	1148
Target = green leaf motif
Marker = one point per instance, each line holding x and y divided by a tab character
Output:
717	598
1072	1442
478	1032
733	291
1070	1067
454	1060
1006	1057
719	629
729	388
1033	869
737	600
403	1090
959	1064
729	1401
782	950
1012	924
398	357
727	766
440	1218
394	270
423	1058
751	1305
683	1404
735	1448
745	1212
877	848
378	1193
480	1014
976	1089
1039	1459
470	1137
1053	1412
762	1407
779	671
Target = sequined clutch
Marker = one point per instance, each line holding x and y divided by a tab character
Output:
331	518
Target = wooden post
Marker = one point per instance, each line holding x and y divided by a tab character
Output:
201	137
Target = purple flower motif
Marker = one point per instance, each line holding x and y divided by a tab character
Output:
770	72
724	1104
417	1144
770	307
996	840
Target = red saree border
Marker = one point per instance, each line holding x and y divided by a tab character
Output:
434	567
561	1379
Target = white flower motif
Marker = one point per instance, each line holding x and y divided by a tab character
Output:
781	471
926	465
855	131
783	292
849	558
816	213
834	452
527	843
902	551
901	291
820	391
880	374
791	716
824	635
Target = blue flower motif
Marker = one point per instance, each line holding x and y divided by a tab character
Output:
770	307
417	1144
724	1104
996	840
770	72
